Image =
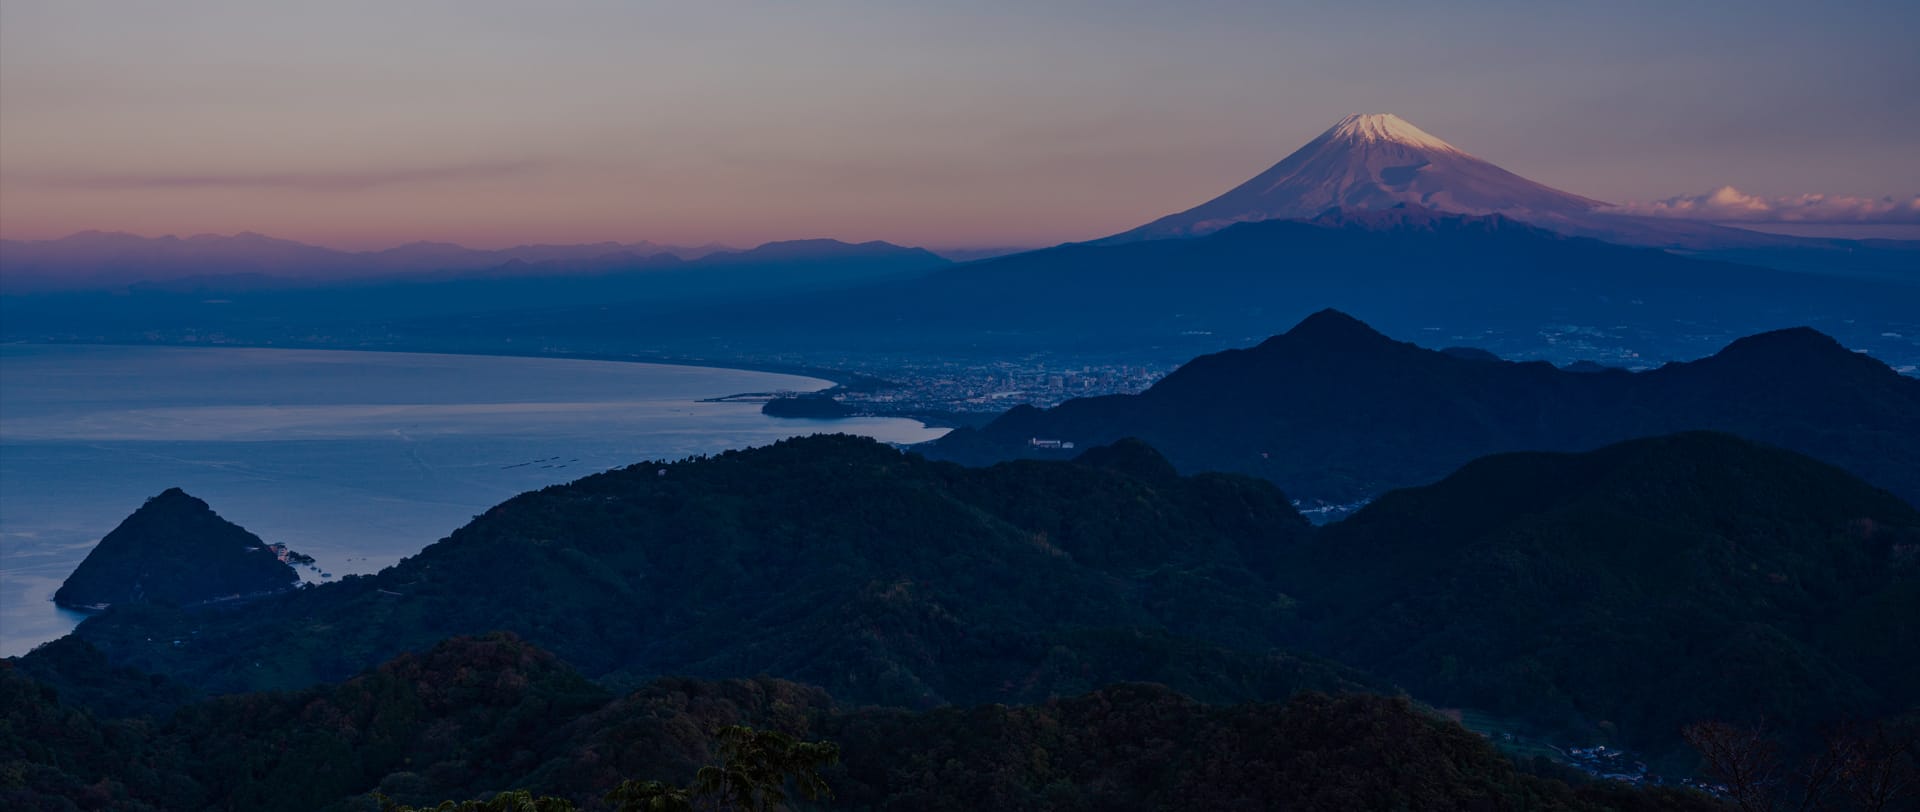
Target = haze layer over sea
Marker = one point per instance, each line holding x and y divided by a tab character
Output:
356	458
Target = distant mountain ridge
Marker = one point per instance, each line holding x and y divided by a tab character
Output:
264	309
1407	268
1510	286
109	259
1334	411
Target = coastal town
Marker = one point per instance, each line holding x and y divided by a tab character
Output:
991	388
952	393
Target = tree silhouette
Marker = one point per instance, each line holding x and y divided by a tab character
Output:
1744	759
755	770
514	801
650	796
1877	766
1868	767
757	765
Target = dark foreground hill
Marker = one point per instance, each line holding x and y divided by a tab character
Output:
1611	596
175	550
476	716
1334	411
838	561
1634	589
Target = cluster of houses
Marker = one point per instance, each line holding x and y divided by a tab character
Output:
1605	762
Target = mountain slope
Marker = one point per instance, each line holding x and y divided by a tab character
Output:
839	561
1372	161
1612	595
475	716
1410	270
1518	289
174	550
1633	589
1333	411
1379	161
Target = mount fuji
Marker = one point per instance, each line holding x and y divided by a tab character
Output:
1372	161
1380	161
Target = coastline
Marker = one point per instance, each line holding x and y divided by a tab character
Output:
840	380
409	507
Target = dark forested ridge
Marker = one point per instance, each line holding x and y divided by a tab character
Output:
175	550
1610	596
1334	411
1632	589
832	560
470	717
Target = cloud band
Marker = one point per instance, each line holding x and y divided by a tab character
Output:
1728	204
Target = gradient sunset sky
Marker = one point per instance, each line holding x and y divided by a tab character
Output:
366	124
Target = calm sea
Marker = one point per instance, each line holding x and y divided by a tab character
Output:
356	458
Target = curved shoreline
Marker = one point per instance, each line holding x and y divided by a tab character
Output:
837	377
839	380
34	617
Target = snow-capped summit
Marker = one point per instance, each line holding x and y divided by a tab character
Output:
1385	127
1371	161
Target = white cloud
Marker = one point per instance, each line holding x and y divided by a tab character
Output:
1728	204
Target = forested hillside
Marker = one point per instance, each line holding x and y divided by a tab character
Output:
836	561
1612	596
1630	590
471	717
1333	411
